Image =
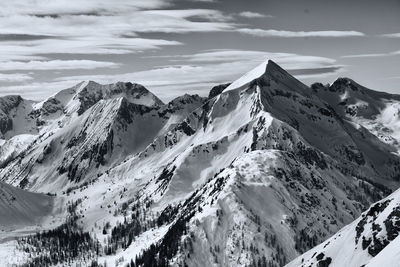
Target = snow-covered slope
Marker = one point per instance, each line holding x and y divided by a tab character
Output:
10	148
371	240
21	208
258	173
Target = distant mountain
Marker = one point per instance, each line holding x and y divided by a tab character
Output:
85	130
256	174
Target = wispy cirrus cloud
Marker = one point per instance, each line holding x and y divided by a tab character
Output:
297	34
32	30
56	65
15	77
210	14
365	55
81	45
250	14
63	7
372	55
391	35
116	25
181	21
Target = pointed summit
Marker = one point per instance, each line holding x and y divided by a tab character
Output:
269	70
274	69
272	66
255	73
277	73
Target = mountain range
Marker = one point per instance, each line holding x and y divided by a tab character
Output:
261	171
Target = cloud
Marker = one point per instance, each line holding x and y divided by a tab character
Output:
250	14
14	77
65	7
117	24
392	35
33	30
56	65
314	72
181	21
82	45
209	14
290	34
392	78
394	53
365	55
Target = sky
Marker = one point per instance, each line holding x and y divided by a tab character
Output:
175	47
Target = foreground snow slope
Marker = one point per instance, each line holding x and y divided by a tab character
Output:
20	208
371	240
257	174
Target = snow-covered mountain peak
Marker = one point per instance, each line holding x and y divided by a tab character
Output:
271	74
283	79
85	94
248	77
91	92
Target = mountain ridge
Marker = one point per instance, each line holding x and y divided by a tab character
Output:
213	180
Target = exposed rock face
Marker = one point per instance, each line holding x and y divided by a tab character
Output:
7	104
218	89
